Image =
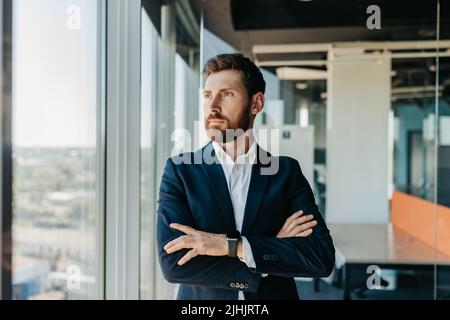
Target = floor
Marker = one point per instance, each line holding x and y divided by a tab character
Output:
326	291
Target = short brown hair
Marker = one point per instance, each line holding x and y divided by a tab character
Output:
251	75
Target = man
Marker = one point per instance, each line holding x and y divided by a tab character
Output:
226	229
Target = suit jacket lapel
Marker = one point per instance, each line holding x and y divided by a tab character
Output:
255	192
218	184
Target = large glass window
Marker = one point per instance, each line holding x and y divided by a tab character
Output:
148	102
57	158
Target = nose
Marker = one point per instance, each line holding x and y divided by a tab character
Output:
215	109
214	106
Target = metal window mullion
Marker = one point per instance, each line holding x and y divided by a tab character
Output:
101	148
6	215
123	149
164	116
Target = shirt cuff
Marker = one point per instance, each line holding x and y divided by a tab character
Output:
248	256
247	252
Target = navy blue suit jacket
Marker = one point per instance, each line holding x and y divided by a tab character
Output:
197	195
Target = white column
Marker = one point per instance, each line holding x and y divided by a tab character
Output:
359	90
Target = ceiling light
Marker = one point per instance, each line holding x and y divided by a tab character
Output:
290	73
301	86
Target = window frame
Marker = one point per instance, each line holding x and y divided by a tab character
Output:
6	151
123	101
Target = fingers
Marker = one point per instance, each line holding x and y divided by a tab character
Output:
174	241
183	228
293	217
303	227
299	221
290	227
305	233
184	243
298	225
188	256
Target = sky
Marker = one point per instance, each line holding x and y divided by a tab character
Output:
55	73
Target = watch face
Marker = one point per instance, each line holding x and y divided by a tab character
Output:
232	247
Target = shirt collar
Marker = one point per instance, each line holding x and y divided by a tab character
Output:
246	158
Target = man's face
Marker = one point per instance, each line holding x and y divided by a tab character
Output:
226	104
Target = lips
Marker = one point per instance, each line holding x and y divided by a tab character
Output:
216	121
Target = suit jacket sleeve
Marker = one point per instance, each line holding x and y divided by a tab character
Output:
219	272
312	256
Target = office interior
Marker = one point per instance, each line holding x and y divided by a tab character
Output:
97	94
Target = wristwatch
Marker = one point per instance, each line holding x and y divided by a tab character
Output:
232	246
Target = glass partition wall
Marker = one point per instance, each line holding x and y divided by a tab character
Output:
442	145
170	50
359	95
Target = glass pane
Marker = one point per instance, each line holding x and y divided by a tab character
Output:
57	166
442	212
353	96
148	101
169	107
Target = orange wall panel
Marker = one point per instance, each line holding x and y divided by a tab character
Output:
417	217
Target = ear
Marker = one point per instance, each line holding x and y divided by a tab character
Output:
257	103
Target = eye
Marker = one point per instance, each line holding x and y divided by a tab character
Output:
228	94
207	95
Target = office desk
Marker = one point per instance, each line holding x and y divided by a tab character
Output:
361	245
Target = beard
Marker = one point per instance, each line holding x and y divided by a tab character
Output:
231	131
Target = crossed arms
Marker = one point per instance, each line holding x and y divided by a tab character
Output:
196	257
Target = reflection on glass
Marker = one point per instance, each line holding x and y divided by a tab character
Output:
370	97
305	103
443	181
413	104
148	254
56	246
180	105
443	157
169	99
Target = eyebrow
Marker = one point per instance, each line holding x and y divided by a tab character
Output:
221	90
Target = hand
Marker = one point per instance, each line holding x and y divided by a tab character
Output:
200	243
297	225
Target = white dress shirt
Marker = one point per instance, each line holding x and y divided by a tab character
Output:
238	174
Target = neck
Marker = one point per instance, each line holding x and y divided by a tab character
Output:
240	145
